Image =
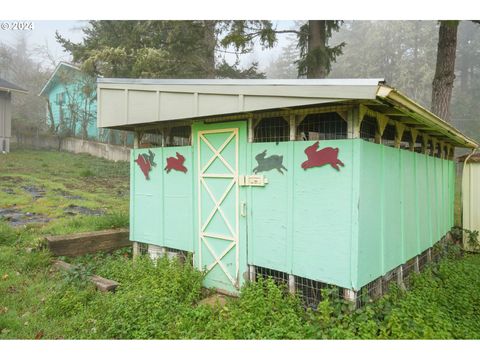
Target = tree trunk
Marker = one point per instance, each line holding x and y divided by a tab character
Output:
445	69
316	49
50	115
210	42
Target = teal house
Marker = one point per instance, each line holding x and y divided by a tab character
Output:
71	102
313	182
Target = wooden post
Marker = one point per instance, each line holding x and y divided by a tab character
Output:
417	265
350	296
250	129
291	284
382	122
429	255
251	272
425	138
399	129
400	282
414	134
293	127
137	139
136	249
353	123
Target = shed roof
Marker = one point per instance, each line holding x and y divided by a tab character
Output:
133	103
8	86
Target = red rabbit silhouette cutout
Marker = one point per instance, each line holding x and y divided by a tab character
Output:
144	166
321	157
176	163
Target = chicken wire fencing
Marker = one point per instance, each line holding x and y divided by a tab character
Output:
167	136
272	129
312	292
325	126
155	252
368	128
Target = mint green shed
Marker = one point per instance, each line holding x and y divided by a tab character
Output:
340	182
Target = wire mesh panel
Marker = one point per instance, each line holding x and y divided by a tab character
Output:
310	291
178	136
164	136
429	148
279	277
418	144
273	129
368	128
388	136
326	126
370	292
181	255
423	260
408	269
406	140
390	278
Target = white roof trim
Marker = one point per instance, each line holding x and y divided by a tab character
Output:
60	64
245	82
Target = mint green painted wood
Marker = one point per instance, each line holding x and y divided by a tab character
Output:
415	208
300	222
322	216
271	208
146	209
210	235
371	215
178	210
161	209
344	227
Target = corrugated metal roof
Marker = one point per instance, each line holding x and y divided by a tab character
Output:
8	86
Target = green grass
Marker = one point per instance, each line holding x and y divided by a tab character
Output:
162	300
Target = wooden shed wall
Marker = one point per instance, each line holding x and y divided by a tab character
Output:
405	206
471	196
345	227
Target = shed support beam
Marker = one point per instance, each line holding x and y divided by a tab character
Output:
353	123
399	130
414	135
251	273
291	284
425	139
137	139
382	122
350	296
293	127
250	129
136	249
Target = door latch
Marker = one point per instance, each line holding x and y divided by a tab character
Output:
243	209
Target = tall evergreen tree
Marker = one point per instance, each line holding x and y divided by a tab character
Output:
316	56
184	49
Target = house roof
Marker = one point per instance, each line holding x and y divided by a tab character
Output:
8	86
51	80
134	103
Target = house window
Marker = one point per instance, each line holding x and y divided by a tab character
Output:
60	98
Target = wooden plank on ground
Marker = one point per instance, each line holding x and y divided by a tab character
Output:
86	243
101	283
